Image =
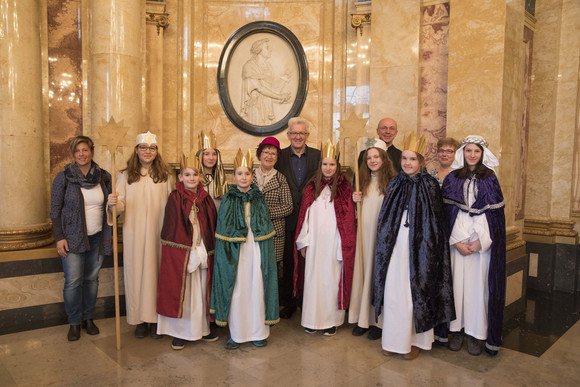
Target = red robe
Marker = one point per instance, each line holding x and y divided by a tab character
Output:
177	240
346	222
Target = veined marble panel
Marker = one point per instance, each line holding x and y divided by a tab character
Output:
433	62
41	289
65	79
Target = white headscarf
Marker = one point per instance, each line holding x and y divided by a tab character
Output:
376	143
489	160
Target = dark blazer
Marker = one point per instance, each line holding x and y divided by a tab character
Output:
394	155
284	166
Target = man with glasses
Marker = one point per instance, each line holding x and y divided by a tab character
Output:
387	131
297	163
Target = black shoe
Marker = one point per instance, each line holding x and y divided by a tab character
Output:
141	330
74	333
287	312
153	331
358	331
309	331
329	332
456	341
177	343
210	338
473	346
375	333
90	327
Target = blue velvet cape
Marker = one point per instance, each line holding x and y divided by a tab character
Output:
488	201
430	265
231	232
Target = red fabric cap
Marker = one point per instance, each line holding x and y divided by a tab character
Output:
271	141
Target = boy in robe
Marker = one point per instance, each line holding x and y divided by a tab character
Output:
185	274
245	285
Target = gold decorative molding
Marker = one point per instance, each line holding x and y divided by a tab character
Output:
31	237
156	15
545	230
513	240
530	21
357	20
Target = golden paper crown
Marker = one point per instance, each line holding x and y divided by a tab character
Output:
413	144
330	151
207	141
244	160
190	161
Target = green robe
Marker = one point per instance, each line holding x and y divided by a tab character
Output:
231	232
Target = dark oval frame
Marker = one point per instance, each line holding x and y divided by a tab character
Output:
223	69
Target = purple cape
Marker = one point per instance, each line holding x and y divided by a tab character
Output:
489	201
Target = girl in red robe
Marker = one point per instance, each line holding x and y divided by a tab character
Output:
188	244
325	246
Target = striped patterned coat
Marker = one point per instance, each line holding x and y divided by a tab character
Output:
279	202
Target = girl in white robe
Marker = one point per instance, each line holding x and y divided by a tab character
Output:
375	174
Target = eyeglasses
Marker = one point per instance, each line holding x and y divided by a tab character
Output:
145	148
296	134
448	151
272	154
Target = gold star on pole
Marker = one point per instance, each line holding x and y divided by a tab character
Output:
353	127
112	135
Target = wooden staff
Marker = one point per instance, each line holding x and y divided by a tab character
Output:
112	136
116	256
359	215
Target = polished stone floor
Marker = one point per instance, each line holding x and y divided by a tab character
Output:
292	358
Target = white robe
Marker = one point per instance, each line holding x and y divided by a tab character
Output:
248	307
143	204
360	310
470	273
398	327
323	265
193	324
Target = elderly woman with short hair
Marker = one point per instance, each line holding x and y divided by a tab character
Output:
446	148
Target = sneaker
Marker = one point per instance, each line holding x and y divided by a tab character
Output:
358	331
141	330
473	346
153	331
232	344
177	343
260	343
330	332
456	341
210	338
375	333
413	354
310	331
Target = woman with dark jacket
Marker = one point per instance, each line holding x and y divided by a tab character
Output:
79	223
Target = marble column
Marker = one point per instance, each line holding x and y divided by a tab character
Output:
24	222
394	67
157	21
115	81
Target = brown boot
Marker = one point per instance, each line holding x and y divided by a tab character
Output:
413	354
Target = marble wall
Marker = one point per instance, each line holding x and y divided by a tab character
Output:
394	68
64	79
192	49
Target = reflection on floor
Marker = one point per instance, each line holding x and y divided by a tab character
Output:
546	319
291	358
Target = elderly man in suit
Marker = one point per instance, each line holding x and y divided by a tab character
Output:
297	163
387	131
